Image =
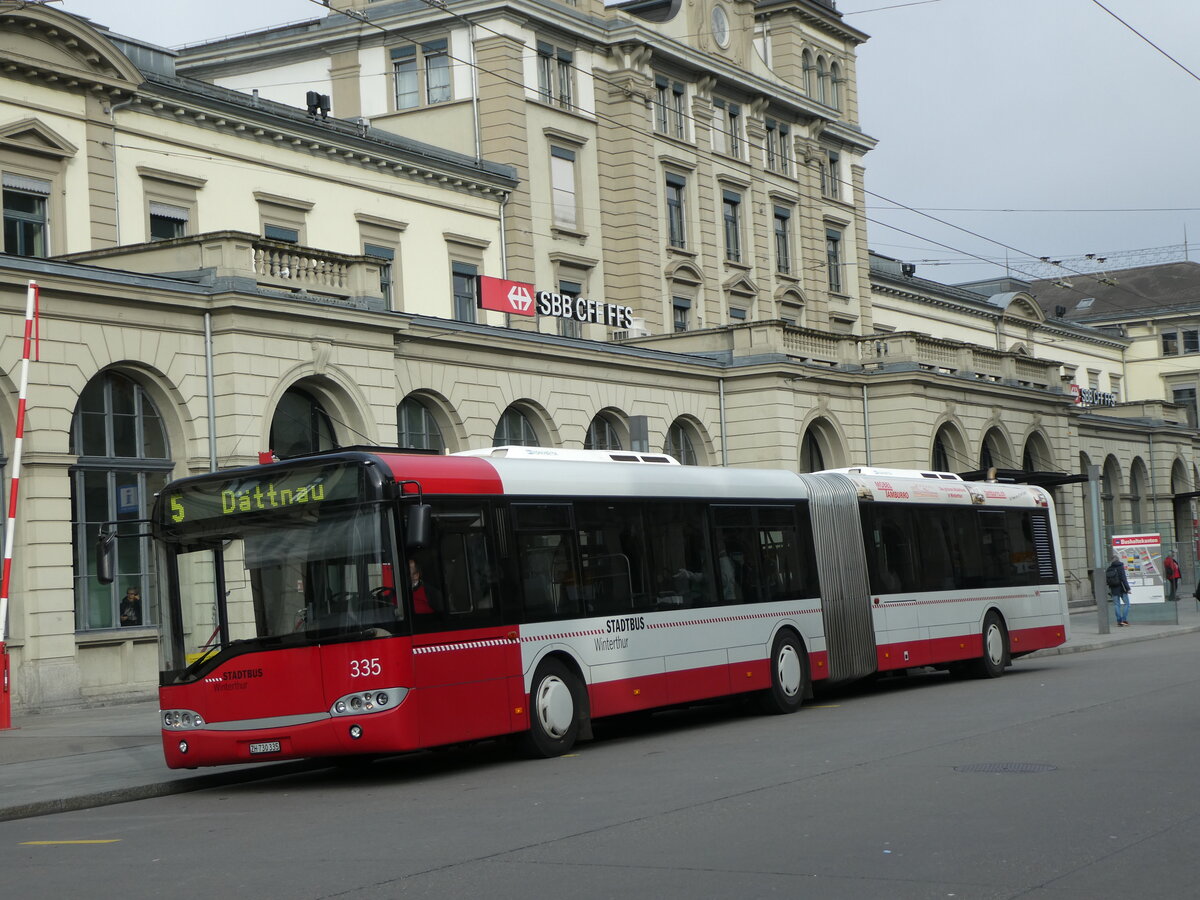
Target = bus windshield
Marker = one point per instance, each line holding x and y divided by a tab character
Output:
279	580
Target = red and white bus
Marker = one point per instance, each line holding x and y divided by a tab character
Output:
370	601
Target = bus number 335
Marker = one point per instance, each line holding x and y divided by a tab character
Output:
362	668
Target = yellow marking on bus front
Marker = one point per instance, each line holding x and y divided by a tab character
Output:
50	843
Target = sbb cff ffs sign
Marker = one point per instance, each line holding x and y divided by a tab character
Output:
519	299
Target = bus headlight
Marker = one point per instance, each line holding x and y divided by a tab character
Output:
181	720
367	702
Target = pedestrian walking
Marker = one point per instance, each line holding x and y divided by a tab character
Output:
1118	589
1172	574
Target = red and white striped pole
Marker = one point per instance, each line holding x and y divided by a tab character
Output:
32	342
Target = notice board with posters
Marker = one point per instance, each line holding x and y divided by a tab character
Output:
1142	555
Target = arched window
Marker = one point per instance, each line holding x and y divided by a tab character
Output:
835	85
602	435
416	429
940	458
1139	488
994	450
948	452
300	425
986	461
821	447
822	80
123	460
812	457
1036	457
1110	488
515	430
810	73
679	444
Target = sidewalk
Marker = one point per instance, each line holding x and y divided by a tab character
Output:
62	761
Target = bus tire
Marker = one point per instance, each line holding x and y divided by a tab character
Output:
995	647
789	674
556	710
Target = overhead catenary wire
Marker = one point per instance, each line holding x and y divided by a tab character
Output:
1147	40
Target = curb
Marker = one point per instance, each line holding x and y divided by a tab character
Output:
157	789
1125	638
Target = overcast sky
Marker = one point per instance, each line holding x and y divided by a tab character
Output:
1001	108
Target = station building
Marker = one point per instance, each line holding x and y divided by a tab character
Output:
227	267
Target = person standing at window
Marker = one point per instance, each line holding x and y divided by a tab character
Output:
131	607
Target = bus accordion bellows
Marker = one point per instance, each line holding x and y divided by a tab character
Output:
374	601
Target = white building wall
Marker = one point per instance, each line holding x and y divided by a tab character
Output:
286	84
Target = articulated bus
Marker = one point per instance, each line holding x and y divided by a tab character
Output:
371	601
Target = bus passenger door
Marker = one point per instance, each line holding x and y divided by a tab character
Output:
463	655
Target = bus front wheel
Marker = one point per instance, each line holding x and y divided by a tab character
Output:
789	674
995	647
556	708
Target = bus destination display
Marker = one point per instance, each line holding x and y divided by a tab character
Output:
279	491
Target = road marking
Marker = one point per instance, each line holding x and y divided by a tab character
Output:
49	843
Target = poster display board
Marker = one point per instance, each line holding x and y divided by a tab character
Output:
1142	555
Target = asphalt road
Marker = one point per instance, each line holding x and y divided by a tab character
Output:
1070	777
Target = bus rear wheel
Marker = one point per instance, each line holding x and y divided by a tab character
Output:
995	648
556	709
789	675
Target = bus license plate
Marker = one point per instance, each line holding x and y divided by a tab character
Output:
265	747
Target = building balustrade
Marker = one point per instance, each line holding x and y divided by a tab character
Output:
248	260
948	357
301	268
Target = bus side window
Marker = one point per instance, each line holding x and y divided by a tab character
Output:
779	544
681	563
547	559
738	563
810	584
970	548
888	534
996	549
934	539
611	554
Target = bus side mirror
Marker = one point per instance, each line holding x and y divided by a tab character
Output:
419	526
105	553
